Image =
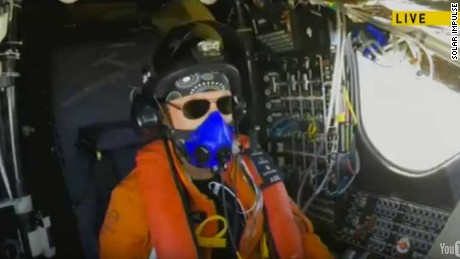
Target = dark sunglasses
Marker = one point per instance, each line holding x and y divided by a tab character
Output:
197	108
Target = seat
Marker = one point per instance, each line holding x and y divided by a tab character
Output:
91	85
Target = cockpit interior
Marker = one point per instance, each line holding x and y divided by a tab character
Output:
359	115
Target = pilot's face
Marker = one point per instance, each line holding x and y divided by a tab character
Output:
187	113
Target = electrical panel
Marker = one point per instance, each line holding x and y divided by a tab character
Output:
303	30
299	131
297	97
381	227
304	136
391	227
296	102
297	93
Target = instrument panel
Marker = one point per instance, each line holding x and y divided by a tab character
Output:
382	226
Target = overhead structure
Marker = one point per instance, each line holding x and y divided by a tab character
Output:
378	13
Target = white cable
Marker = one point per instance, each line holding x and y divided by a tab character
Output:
11	12
215	186
415	51
320	188
337	76
339	73
410	42
251	209
258	204
345	47
334	97
338	108
430	59
309	171
400	31
5	177
384	59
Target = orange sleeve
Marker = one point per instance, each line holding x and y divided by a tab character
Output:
312	244
124	234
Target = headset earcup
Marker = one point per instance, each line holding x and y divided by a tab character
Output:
145	116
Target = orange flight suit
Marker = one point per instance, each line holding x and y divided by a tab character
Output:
145	211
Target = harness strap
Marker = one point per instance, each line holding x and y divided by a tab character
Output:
280	218
161	195
174	230
105	176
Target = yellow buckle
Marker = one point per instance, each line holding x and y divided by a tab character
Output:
218	241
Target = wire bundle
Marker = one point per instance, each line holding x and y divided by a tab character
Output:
340	105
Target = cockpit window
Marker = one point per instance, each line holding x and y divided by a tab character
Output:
411	120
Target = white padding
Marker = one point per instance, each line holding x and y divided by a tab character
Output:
47	222
3	25
39	241
50	253
23	205
36	242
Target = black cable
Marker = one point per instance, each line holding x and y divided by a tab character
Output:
238	112
3	130
182	193
224	201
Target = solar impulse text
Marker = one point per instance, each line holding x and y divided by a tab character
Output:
454	31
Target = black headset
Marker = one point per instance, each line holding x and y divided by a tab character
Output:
146	108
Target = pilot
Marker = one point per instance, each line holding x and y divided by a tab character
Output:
197	193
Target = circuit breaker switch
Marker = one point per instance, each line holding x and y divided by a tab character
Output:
305	82
293	83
